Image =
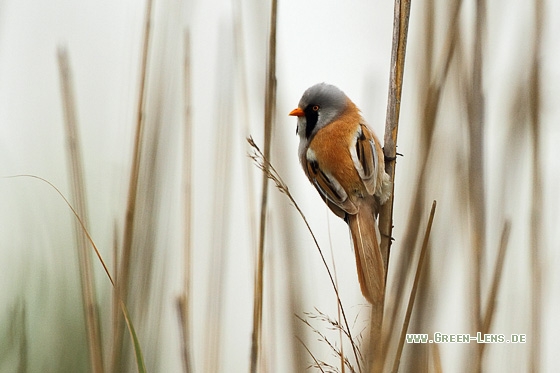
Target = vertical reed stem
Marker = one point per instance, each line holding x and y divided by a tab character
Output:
398	52
184	302
536	197
121	289
79	201
270	100
477	203
412	297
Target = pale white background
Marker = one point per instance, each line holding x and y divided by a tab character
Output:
343	43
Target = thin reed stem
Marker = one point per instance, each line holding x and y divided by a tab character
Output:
432	95
76	171
496	280
475	110
535	247
317	364
121	289
121	305
184	301
270	100
421	259
436	358
262	163
338	310
401	17
398	52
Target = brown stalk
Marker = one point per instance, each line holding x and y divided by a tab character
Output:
184	300
270	100
412	297
536	197
338	310
121	305
264	165
495	286
475	110
436	358
121	289
317	364
398	51
79	200
433	94
433	85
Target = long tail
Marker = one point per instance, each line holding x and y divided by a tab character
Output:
369	263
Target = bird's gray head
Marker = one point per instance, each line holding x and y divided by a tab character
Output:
319	105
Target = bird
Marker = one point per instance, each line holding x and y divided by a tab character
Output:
343	159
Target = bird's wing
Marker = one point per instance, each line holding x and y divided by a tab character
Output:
330	189
366	158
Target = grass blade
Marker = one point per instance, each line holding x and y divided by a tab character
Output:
136	344
264	165
412	297
317	364
137	348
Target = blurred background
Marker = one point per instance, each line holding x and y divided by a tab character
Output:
144	131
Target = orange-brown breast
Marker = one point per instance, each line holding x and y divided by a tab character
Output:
331	146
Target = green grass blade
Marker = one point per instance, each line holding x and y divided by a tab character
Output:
135	342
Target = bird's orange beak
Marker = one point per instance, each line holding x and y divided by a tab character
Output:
297	112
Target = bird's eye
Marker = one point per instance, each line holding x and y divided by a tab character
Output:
315	108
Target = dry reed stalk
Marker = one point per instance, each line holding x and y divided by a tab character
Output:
270	100
434	83
317	364
431	88
495	286
122	307
264	165
412	297
338	310
436	358
286	257
184	300
398	52
76	170
321	337
535	249
116	320
291	259
475	103
121	289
